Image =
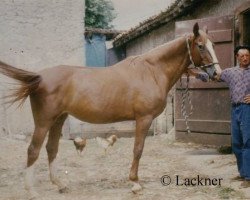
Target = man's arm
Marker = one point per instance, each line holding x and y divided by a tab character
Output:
217	77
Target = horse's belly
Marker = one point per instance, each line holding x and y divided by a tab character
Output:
100	118
101	113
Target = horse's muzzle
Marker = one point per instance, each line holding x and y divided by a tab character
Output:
210	70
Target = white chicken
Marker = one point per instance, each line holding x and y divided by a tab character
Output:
80	143
106	143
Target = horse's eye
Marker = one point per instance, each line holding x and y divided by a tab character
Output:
201	47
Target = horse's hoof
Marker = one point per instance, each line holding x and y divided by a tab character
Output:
136	188
64	190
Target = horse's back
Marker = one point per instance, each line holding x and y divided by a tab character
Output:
95	95
101	95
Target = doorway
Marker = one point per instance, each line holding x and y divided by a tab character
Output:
242	28
246	27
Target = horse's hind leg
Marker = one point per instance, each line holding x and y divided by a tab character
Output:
52	149
33	153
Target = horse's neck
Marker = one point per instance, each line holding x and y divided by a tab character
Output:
172	58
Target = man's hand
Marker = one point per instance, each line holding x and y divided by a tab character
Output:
197	73
247	98
202	76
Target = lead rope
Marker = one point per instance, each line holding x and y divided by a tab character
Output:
185	94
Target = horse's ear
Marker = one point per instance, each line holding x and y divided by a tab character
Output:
196	30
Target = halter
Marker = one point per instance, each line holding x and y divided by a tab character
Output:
192	61
189	53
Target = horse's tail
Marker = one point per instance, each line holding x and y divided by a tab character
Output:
29	82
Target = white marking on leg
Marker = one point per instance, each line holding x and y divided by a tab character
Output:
29	182
54	178
136	187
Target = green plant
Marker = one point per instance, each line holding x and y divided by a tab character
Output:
99	14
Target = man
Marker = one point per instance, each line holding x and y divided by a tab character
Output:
238	80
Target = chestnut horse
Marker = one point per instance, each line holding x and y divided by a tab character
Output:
133	89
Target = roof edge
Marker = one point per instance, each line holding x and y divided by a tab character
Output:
177	9
110	33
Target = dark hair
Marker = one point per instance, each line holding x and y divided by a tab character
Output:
236	50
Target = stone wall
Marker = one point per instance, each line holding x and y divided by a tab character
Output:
35	35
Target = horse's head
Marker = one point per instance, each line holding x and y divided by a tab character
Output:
202	54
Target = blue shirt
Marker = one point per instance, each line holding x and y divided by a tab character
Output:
238	80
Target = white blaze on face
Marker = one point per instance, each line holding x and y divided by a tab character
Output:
210	48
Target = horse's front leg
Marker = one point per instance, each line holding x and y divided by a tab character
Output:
142	126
